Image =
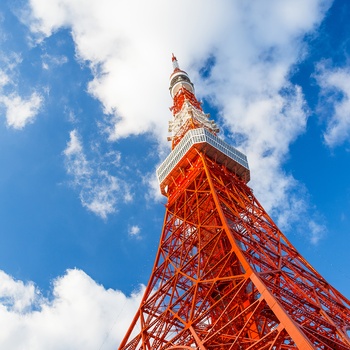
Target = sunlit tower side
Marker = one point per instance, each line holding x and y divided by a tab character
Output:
225	277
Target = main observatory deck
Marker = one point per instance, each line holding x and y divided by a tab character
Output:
201	140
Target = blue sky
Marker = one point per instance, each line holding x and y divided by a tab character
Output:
83	125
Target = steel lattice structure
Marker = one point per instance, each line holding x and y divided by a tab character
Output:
225	277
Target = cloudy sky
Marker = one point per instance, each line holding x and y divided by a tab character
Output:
84	107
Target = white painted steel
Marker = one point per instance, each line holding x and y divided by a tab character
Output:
212	146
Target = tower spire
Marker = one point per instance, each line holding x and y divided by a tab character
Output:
187	110
175	63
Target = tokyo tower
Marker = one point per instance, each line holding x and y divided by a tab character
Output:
225	277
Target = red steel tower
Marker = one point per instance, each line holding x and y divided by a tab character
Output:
225	277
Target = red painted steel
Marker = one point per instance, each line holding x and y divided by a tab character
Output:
180	98
225	277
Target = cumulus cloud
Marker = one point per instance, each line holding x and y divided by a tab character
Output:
16	295
19	111
335	92
252	49
80	314
99	190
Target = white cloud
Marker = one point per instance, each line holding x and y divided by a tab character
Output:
254	47
134	231
10	62
99	191
50	60
4	79
74	145
100	195
16	295
80	314
128	197
317	231
19	111
335	91
77	165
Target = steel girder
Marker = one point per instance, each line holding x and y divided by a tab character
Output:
226	278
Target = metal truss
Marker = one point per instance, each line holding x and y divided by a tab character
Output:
226	278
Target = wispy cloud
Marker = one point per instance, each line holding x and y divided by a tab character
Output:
99	190
50	60
19	110
134	231
335	95
79	314
4	79
77	165
317	231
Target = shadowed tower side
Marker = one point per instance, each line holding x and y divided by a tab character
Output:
225	277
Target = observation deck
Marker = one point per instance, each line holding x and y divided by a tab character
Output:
201	140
